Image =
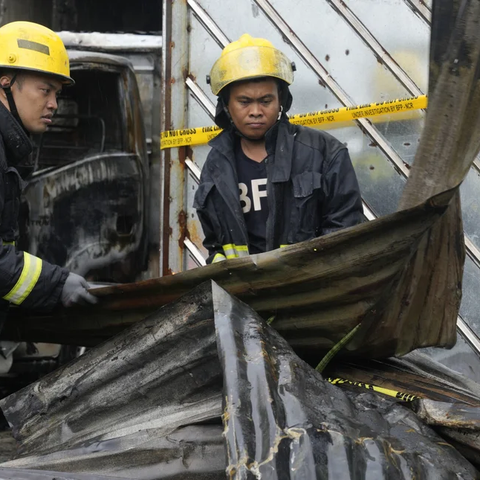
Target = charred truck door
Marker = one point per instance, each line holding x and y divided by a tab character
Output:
84	207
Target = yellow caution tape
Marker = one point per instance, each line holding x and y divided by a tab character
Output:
405	397
202	135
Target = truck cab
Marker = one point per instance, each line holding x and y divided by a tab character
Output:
85	205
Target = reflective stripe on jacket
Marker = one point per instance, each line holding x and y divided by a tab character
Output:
312	190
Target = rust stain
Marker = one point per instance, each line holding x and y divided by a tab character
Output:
182	224
182	155
194	233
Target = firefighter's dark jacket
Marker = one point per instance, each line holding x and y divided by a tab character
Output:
25	280
312	190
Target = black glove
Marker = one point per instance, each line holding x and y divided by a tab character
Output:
75	291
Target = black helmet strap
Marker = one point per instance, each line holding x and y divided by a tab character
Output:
11	102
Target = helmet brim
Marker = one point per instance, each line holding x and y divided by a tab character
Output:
66	80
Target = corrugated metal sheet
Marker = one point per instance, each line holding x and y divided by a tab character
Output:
126	408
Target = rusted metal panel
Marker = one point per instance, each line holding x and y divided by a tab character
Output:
175	70
446	152
317	291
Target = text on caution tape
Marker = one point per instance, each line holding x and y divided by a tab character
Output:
202	135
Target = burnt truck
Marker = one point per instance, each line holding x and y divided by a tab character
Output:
86	205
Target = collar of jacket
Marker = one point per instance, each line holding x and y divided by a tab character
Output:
16	141
278	140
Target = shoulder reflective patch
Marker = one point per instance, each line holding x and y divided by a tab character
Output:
32	267
37	47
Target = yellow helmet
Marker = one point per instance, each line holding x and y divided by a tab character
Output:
33	47
249	58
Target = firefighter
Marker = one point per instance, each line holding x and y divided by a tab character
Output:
267	183
34	67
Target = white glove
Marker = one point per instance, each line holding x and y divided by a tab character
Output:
75	291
